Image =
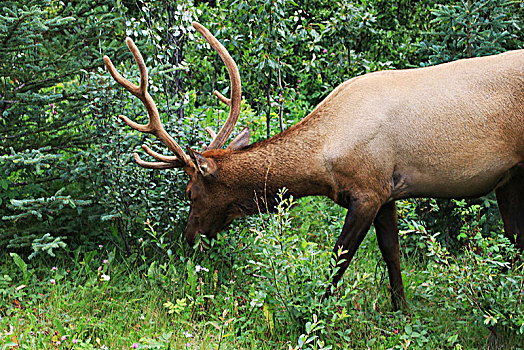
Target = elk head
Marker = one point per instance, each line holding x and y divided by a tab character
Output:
203	187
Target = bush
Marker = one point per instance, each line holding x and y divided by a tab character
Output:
483	283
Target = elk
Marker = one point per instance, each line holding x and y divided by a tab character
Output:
454	130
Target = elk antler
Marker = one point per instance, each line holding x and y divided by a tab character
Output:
236	93
154	126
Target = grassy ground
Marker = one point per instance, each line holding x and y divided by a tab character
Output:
257	289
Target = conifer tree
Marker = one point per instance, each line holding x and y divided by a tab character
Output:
47	47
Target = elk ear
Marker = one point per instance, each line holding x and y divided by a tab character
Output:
205	166
241	140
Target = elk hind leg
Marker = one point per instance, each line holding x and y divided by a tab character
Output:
387	236
510	198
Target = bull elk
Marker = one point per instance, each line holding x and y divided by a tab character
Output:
455	130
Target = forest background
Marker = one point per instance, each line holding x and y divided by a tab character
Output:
92	253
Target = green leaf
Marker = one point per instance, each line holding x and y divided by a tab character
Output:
21	264
4	183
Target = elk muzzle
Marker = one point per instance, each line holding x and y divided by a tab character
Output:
192	230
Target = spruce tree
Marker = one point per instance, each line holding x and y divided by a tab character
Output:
47	49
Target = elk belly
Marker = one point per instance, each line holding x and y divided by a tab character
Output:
465	182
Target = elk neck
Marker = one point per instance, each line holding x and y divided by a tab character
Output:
292	159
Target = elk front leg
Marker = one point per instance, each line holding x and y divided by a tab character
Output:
387	236
359	217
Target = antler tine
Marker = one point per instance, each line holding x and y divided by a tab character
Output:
154	126
161	157
222	98
211	132
154	165
236	93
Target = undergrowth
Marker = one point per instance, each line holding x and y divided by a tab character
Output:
262	286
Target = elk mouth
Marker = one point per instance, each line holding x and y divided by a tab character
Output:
191	237
192	230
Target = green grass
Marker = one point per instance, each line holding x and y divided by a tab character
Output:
256	289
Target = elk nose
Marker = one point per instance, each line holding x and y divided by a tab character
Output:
191	237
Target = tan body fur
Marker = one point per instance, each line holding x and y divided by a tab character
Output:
446	131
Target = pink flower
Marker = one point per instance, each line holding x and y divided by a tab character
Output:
104	261
100	246
396	331
64	337
324	51
52	281
75	341
54	268
134	346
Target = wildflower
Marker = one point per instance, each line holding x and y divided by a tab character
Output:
100	246
188	345
54	268
140	240
75	341
105	261
99	268
52	281
105	278
58	342
332	54
188	335
135	346
395	332
64	337
324	51
299	80
199	268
